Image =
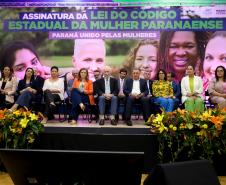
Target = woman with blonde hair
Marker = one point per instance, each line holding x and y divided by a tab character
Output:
82	94
144	57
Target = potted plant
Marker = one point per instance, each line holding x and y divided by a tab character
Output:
184	135
19	129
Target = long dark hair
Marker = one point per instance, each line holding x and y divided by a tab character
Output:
32	76
201	38
79	74
130	60
161	70
7	53
217	78
2	73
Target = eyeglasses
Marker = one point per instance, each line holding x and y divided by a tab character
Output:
161	73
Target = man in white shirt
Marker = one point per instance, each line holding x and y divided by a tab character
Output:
136	91
107	90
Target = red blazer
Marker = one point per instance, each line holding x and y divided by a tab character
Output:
88	89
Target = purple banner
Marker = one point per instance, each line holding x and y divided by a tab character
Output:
104	35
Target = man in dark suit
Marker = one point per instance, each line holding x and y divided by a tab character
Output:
121	95
136	91
152	108
176	89
107	90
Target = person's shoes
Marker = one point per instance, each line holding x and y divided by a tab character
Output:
116	118
113	122
73	122
9	111
52	105
123	118
101	122
83	107
69	119
129	123
44	120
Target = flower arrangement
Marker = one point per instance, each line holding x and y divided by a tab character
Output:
18	129
184	135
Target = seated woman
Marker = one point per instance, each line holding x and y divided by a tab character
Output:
82	93
163	92
53	89
192	91
28	89
8	86
217	87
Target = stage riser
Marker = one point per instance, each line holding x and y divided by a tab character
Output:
102	142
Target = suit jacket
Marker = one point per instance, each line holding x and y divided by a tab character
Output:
35	84
185	87
176	89
10	87
88	89
129	86
150	87
39	82
100	86
118	80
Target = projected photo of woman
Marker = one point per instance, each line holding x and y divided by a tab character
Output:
215	55
178	49
144	57
20	55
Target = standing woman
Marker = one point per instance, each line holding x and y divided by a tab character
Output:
8	86
27	89
82	93
163	92
192	91
53	91
217	87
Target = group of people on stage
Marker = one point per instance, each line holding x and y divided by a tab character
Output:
164	92
177	69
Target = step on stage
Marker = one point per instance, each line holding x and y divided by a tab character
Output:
86	154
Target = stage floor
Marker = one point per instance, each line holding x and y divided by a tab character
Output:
84	127
84	123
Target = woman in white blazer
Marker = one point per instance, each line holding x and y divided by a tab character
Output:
192	91
8	86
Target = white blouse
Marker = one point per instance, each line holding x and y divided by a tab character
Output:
185	87
55	85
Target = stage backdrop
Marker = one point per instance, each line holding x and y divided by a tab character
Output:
146	37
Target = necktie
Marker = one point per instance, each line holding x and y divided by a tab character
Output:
121	85
148	87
